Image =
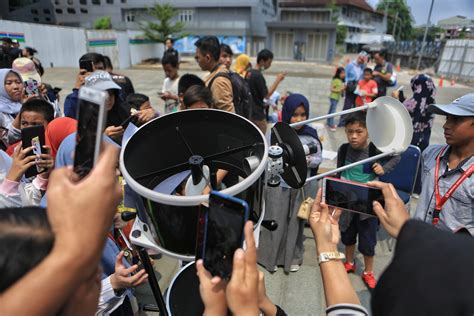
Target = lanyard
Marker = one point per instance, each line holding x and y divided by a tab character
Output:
440	200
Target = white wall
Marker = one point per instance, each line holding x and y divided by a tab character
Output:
457	60
60	46
63	46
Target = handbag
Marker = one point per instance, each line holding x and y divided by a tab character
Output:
305	207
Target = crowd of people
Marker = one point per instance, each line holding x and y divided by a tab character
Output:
67	258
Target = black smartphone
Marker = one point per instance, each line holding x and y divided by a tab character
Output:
33	136
351	196
223	232
131	119
90	125
86	65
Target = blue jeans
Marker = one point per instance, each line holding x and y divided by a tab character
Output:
332	109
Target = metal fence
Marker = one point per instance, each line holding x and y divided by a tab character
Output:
406	53
457	60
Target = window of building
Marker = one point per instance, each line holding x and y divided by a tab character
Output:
344	11
34	11
130	16
110	1
48	19
36	19
84	10
96	2
71	10
124	1
47	11
83	2
59	11
71	2
186	15
57	2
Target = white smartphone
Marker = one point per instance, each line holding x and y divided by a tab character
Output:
91	118
351	196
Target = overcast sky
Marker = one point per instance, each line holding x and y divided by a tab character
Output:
442	9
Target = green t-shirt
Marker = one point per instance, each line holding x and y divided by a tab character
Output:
336	84
357	173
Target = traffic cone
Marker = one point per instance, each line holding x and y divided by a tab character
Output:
440	83
398	68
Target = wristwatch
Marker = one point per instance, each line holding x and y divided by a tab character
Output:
327	256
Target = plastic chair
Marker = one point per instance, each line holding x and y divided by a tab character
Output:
403	176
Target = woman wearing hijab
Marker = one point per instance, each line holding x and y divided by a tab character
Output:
11	95
117	111
242	65
284	246
57	131
424	92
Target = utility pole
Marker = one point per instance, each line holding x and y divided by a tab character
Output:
395	25
384	21
428	24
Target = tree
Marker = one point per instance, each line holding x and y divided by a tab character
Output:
341	34
103	23
159	32
341	30
404	26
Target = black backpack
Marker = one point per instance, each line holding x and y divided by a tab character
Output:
341	157
6	59
241	92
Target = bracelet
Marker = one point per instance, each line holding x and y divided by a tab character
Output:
327	256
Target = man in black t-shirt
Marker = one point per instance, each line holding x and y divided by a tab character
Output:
382	73
169	43
258	88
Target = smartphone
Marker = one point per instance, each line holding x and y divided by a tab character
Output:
33	136
86	65
91	117
224	223
31	87
351	196
131	119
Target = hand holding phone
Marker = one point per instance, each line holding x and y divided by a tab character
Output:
351	196
87	65
33	137
223	233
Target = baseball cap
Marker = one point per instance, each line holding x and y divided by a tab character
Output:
101	80
26	68
363	53
463	106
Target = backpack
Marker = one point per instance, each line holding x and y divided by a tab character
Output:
240	91
6	59
341	157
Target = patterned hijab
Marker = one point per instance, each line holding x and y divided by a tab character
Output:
424	92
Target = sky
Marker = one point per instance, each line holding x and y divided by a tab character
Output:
442	9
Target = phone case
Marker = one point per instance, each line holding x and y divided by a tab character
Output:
323	199
33	136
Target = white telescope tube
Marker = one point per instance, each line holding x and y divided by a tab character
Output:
319	118
373	158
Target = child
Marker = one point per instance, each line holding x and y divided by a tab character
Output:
366	88
169	92
185	82
34	112
337	87
197	97
141	103
353	224
284	246
444	165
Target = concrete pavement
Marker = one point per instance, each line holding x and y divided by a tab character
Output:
299	293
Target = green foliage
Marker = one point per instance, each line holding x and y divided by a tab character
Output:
419	32
159	32
404	27
103	23
341	34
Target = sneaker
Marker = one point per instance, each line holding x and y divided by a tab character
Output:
350	267
275	269
294	267
369	279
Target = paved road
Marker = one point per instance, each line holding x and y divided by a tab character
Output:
298	293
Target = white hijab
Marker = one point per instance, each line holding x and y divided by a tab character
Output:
7	105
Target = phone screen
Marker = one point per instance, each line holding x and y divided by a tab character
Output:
224	233
351	196
86	137
33	136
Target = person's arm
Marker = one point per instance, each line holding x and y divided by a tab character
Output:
314	160
373	89
222	94
108	300
70	104
337	286
387	75
279	78
91	202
